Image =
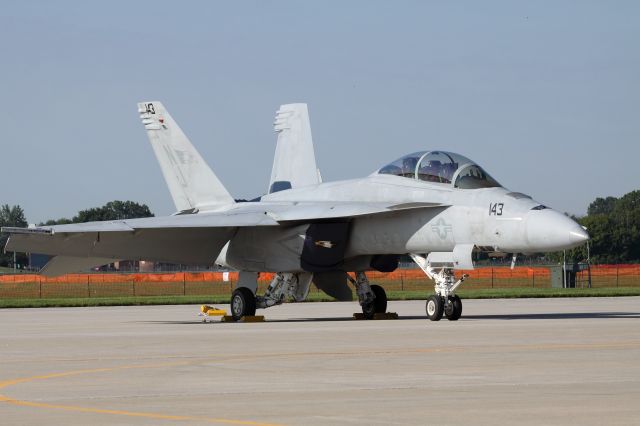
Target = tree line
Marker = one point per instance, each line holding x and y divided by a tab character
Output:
614	227
114	210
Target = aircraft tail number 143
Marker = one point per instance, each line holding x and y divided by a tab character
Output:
496	209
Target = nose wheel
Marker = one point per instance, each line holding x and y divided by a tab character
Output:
437	306
453	308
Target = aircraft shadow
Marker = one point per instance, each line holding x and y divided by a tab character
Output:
285	320
503	317
554	315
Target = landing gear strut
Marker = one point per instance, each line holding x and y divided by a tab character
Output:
285	286
444	301
372	297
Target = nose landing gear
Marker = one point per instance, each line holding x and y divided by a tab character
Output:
444	302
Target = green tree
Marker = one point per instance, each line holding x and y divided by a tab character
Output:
11	216
113	210
602	206
61	221
614	227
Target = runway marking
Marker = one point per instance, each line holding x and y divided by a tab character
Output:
243	358
12	401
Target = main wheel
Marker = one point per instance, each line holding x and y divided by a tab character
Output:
435	307
453	309
243	303
378	305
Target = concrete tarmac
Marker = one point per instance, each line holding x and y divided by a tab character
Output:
523	361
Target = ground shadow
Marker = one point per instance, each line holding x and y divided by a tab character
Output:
285	320
540	316
554	315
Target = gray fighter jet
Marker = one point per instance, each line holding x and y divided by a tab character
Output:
436	206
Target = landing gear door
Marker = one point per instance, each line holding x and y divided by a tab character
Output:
459	258
324	246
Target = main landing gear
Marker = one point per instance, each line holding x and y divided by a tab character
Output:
372	297
243	303
284	286
295	287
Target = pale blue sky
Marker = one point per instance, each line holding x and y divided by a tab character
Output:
544	95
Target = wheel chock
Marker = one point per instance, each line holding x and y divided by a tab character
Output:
377	316
246	318
210	311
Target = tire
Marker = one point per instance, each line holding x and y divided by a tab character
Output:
378	305
243	303
453	310
435	308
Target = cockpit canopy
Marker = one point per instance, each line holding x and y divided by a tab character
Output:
441	167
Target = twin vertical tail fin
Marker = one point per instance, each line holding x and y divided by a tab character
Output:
192	183
294	164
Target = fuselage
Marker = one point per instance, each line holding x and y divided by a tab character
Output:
493	219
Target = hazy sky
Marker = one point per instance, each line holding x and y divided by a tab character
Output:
544	95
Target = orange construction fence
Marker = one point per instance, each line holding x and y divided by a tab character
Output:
215	283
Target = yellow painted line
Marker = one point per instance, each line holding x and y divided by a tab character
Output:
12	401
5	383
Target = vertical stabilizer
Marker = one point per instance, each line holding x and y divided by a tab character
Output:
192	184
294	164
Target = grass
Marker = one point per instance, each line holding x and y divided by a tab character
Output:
507	293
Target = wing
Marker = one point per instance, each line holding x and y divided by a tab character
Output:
192	239
186	239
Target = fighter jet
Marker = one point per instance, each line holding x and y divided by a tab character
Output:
436	206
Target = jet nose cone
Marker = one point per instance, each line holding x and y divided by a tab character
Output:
548	230
578	236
